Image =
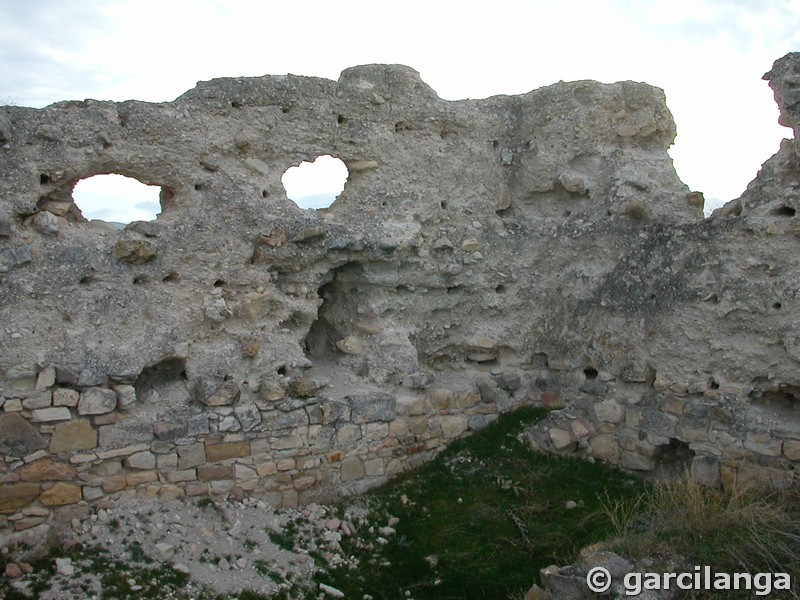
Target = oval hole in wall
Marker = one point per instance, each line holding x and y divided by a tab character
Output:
117	199
315	184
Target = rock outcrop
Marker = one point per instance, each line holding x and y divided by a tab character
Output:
484	254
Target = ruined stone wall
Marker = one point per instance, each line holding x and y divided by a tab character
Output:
484	254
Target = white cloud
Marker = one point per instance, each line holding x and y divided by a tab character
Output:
310	184
117	199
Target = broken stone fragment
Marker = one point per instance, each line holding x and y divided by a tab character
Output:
73	435
470	245
352	344
229	424
209	163
303	387
16	495
61	494
18	437
482	343
149	229
135	252
46	470
97	401
573	183
272	391
65	397
309	234
45	223
141	460
379	406
355	166
126	396
169	432
560	438
57	207
216	309
247	415
225	394
45	415
276	238
50	133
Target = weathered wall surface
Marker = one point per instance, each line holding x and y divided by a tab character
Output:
709	310
484	254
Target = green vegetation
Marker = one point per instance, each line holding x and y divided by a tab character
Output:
483	518
480	521
117	580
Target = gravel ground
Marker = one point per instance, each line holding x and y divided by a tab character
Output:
225	547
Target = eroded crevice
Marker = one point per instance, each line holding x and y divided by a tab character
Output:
163	383
782	400
337	315
673	459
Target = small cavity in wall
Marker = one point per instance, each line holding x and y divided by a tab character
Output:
172	434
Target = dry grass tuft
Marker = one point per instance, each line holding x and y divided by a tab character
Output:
732	531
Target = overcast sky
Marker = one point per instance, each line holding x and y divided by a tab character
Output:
708	55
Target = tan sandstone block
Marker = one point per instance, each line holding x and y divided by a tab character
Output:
15	495
73	435
61	494
47	470
219	452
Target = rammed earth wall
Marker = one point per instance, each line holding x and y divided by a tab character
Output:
484	254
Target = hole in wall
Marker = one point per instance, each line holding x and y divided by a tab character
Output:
783	401
590	373
777	305
539	360
163	383
117	199
315	185
340	294
673	459
785	211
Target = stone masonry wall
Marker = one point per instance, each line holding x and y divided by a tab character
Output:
485	254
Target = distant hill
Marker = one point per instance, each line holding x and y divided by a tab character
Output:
315	201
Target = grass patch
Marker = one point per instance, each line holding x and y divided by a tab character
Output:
731	531
480	521
483	518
